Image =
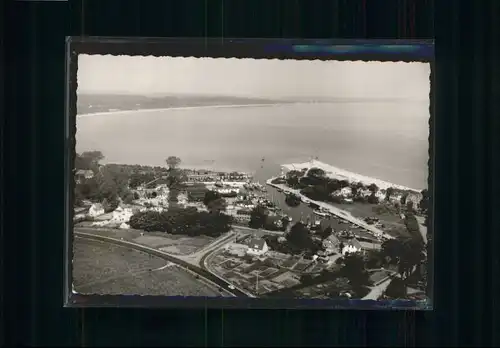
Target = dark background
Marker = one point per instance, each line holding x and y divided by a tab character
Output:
466	186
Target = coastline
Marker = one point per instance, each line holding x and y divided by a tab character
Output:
334	210
221	106
342	174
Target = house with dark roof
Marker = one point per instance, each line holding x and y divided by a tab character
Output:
196	193
83	174
257	247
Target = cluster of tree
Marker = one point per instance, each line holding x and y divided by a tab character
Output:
412	225
88	160
300	237
292	200
139	179
108	186
214	202
407	254
175	178
424	202
316	185
183	221
281	245
260	218
112	183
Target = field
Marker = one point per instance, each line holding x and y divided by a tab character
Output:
102	268
172	244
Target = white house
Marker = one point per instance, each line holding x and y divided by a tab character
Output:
346	191
96	210
364	192
257	247
380	194
121	215
351	246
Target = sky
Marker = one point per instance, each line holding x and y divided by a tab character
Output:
257	78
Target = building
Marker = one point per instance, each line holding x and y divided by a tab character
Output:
380	194
331	244
257	247
346	191
83	174
96	210
196	193
351	246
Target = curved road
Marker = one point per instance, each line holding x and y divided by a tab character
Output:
200	271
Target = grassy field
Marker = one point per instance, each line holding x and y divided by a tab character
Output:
102	268
88	103
172	244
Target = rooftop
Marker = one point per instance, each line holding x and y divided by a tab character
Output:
257	243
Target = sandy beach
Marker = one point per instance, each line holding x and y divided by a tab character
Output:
222	106
341	174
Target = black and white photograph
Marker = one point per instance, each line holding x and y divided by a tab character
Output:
254	178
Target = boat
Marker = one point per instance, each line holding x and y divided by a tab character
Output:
320	213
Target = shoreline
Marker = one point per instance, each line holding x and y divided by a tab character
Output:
342	174
334	210
221	106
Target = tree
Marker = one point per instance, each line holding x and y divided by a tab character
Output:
388	193
210	196
373	199
373	259
424	201
175	179
292	178
92	159
392	250
300	237
292	200
373	188
217	206
107	190
409	206
333	185
354	270
343	183
404	198
258	217
316	173
341	247
173	162
412	256
412	226
325	233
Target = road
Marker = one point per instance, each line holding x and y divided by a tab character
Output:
336	211
259	231
199	271
378	290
